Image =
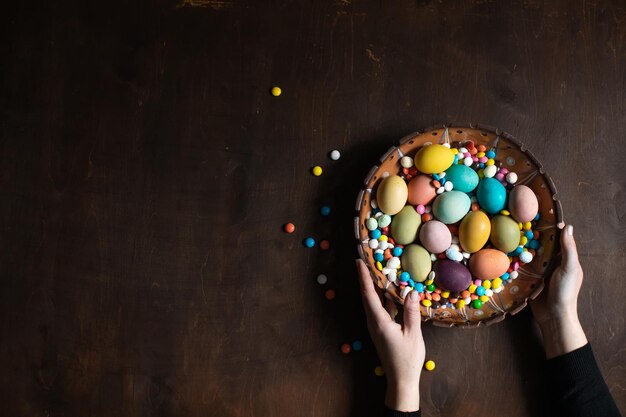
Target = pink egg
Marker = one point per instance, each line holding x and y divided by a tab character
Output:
523	203
435	236
421	191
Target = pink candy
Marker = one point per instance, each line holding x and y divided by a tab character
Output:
504	171
483	159
515	266
420	209
500	176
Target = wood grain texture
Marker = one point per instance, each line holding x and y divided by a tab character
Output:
145	172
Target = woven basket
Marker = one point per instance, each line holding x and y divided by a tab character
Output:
530	282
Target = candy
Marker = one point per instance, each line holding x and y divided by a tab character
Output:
329	294
322	279
289	228
317	170
406	162
357	345
335	155
429	365
345	348
384	220
276	91
309	242
371	224
324	245
325	211
379	371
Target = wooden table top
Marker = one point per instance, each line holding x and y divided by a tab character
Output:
146	172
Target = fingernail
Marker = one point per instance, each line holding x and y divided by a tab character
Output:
357	260
414	295
569	230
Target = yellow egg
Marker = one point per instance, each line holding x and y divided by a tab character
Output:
392	194
433	159
474	231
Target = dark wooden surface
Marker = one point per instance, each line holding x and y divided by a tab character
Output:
145	173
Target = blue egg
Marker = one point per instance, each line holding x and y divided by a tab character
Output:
463	177
491	195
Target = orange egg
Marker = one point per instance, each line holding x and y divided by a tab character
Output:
421	191
489	263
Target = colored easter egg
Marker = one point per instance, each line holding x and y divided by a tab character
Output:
463	177
433	159
504	233
421	190
488	263
452	276
523	203
474	231
392	194
435	236
451	206
416	261
405	224
491	195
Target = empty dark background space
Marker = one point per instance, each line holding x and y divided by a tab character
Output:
145	173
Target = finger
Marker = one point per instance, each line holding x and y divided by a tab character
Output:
390	306
412	316
569	252
372	304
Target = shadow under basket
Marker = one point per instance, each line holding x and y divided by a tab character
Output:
513	156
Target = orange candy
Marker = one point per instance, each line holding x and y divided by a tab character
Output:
453	300
465	294
345	348
425	217
289	228
473	297
436	297
324	245
329	294
387	255
481	148
475	207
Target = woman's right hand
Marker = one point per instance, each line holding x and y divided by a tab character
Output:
555	309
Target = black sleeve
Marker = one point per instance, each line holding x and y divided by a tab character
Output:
394	413
577	386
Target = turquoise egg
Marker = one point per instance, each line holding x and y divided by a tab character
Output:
491	195
452	206
463	177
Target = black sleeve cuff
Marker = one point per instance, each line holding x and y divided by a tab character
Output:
578	386
395	413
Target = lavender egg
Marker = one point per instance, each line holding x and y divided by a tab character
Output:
452	276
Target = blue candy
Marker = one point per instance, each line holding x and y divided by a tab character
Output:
533	244
375	234
404	277
309	242
378	257
528	234
411	282
419	287
480	291
491	154
505	276
536	217
357	345
325	210
397	251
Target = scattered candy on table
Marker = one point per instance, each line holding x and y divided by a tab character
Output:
379	371
317	170
345	348
453	225
335	155
325	211
330	294
309	242
276	91
429	365
357	345
322	279
289	228
324	245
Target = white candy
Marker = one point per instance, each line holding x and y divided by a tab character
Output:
442	174
468	161
466	255
371	224
462	150
335	155
379	251
433	257
455	239
386	271
526	257
514	274
373	243
431	275
511	177
455	247
459	257
385	174
448	186
467	300
497	290
427	143
490	171
383	244
452	254
447	145
393	263
322	279
489	293
374	204
392	276
440	190
405	291
406	162
384	220
377	215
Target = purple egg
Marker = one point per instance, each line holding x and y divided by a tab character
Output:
452	276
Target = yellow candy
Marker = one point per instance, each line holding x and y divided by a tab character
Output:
382	238
317	170
276	91
445	294
523	240
429	365
496	283
379	266
428	282
426	303
520	225
481	174
472	288
510	259
454	150
379	371
460	304
484	298
527	226
505	212
487	284
490	162
480	154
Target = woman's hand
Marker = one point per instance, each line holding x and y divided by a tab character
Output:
556	307
400	348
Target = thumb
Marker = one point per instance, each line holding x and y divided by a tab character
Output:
412	315
569	252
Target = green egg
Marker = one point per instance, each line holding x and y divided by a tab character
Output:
405	224
451	206
505	234
416	261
